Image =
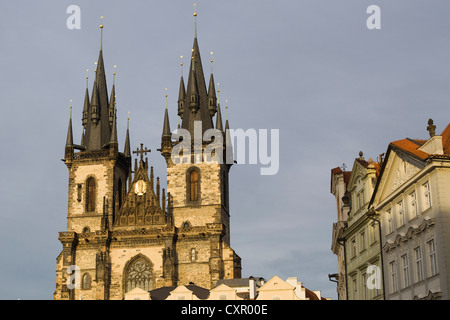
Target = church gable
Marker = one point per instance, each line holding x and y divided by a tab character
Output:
141	206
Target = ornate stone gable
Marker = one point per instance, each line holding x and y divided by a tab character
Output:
142	205
399	168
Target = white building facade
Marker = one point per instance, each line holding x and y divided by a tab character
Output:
412	202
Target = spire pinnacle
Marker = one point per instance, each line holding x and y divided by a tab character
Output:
211	62
166	126
195	21
127	150
219	124
101	32
226	107
69	140
181	66
166	98
114	128
114	75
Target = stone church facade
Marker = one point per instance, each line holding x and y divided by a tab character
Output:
123	230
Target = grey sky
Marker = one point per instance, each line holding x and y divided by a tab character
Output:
308	68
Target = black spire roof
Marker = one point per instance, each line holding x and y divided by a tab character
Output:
196	89
98	128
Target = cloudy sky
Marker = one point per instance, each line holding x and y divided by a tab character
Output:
311	69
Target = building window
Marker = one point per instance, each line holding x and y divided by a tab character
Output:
193	255
426	195
390	223
432	257
353	247
355	289
401	214
86	282
373	235
362	236
139	274
193	184
392	268
360	200
364	279
79	187
419	268
90	195
413	203
405	271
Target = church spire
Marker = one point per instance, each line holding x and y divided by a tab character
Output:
112	100
219	125
86	106
196	99
98	126
166	137
166	126
212	99
114	128
127	149
228	142
69	140
181	94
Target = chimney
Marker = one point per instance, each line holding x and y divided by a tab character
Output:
252	287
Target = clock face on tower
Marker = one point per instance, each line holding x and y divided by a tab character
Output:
140	187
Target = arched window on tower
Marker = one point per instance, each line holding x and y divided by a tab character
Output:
90	195
193	255
193	185
86	283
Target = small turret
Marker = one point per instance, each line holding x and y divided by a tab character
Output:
181	95
212	99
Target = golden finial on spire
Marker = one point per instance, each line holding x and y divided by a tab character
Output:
114	75
195	20
211	62
166	98
101	32
226	107
218	91
181	65
95	66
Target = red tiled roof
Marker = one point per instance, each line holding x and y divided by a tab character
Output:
309	294
446	139
410	147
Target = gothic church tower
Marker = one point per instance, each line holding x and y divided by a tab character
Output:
123	230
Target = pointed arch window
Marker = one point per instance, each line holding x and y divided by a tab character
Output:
193	179
90	194
139	273
193	255
193	185
86	283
